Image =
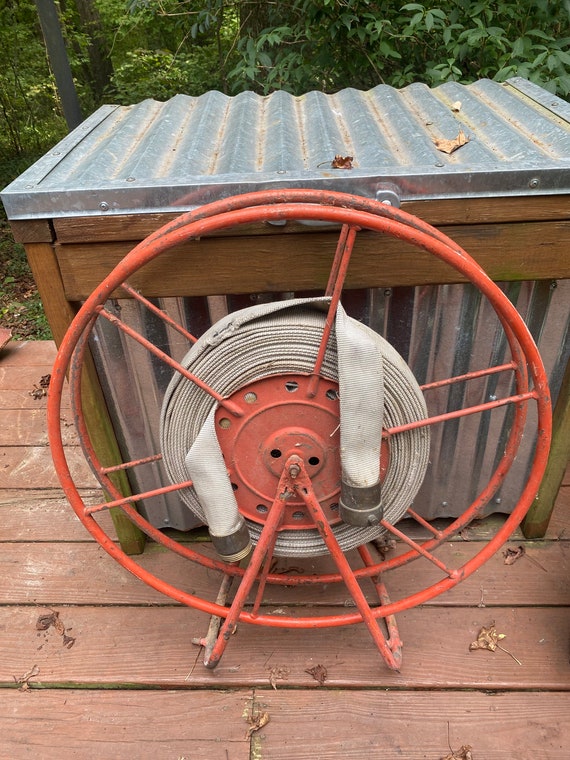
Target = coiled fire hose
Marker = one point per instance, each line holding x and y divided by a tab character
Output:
376	388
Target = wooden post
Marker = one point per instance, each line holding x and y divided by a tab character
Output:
536	522
60	313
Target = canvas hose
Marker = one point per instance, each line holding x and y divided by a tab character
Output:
376	390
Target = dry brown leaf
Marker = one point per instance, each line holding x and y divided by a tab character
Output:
24	680
449	146
319	673
342	162
256	722
38	393
278	673
68	641
44	622
512	555
462	754
488	638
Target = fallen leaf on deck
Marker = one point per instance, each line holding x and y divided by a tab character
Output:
68	641
45	381
511	555
449	146
342	162
277	673
319	673
24	680
47	621
256	722
488	638
462	754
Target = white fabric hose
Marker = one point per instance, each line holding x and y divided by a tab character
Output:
377	389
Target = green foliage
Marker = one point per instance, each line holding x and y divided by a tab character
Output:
328	45
29	114
20	306
161	74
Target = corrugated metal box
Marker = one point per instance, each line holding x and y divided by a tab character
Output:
503	195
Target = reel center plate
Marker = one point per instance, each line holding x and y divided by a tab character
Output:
279	419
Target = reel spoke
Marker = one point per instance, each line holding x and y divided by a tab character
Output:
466	411
333	291
469	376
117	322
158	312
133	499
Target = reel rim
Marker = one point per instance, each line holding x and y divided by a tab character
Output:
279	204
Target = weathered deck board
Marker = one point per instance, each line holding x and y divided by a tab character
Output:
316	724
45	515
27	427
393	725
124	725
151	647
82	573
32	467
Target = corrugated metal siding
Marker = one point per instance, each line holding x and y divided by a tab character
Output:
440	330
185	152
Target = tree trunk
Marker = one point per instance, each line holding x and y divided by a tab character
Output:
253	17
100	64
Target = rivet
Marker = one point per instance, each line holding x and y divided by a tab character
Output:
534	183
104	206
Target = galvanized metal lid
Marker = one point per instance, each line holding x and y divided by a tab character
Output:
189	151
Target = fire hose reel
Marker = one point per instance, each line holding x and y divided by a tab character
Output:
292	430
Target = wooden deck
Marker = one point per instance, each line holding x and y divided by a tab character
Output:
115	674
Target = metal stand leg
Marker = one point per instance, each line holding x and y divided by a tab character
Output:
295	479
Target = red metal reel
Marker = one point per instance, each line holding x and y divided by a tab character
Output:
280	420
353	214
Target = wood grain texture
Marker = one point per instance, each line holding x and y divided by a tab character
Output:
83	573
392	725
31	467
124	725
26	354
151	647
27	427
45	268
440	212
32	231
45	515
301	262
